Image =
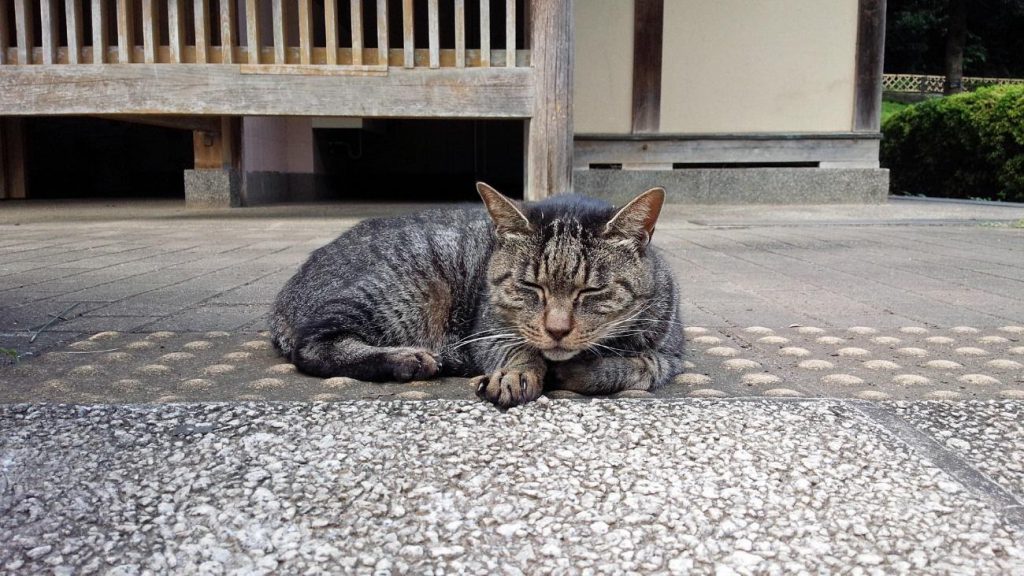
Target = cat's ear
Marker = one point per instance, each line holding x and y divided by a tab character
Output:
635	221
507	217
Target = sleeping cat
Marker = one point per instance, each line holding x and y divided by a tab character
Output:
565	293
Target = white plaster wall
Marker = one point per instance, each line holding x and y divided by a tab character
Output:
277	144
603	77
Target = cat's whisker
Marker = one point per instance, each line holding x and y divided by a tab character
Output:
493	337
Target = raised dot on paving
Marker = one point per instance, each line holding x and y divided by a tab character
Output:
773	340
721	351
971	351
1003	364
939	340
237	356
809	330
943	365
794	351
881	365
759	379
219	369
886	340
154	369
162	335
1012	394
263	383
830	340
250	398
706	393
782	393
913	330
198	345
993	339
944	395
127	384
116	357
695	330
740	364
911	351
852	352
707	340
910	380
979	380
140	345
816	365
872	395
84	345
759	330
692	379
256	345
217	334
862	330
168	399
85	370
196	384
326	397
1013	329
339	382
108	335
1017	350
963	330
843	379
176	357
283	368
687	365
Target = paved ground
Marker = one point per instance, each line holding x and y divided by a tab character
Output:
828	314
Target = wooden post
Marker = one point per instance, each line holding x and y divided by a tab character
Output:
280	34
305	31
408	37
382	32
228	34
433	34
125	31
13	172
485	32
5	37
510	33
550	145
867	108
648	29
460	33
217	150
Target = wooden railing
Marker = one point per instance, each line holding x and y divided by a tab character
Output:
253	32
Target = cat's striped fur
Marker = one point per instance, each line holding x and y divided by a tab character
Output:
565	293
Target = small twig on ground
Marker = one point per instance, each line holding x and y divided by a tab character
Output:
91	351
51	322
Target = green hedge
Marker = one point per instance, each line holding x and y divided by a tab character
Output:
965	146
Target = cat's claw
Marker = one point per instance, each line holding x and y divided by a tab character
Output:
509	387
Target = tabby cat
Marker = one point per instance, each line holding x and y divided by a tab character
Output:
565	293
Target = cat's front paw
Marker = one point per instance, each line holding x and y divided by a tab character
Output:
409	364
509	386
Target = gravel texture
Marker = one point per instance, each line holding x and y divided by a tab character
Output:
444	486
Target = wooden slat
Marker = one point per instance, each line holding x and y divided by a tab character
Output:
23	24
510	32
485	33
48	20
382	32
648	29
460	33
201	13
867	107
12	133
408	36
150	31
198	89
433	34
550	141
280	36
306	31
252	30
176	29
228	36
331	30
99	31
73	11
125	31
356	9
5	39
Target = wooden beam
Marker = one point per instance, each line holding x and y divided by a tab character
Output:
73	12
196	89
12	161
48	21
24	26
356	13
550	141
201	18
218	148
99	31
125	31
867	107
176	30
648	28
228	32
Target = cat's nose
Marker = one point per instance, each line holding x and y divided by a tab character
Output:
558	323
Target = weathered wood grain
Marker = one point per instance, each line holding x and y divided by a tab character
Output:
150	38
550	140
306	31
460	33
356	10
408	35
48	22
485	33
331	30
252	31
125	31
24	30
228	34
433	34
867	106
382	32
201	17
99	32
176	30
510	31
280	36
648	31
196	89
73	15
